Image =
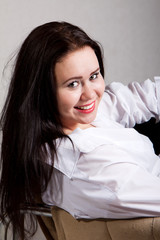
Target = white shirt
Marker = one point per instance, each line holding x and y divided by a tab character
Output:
112	171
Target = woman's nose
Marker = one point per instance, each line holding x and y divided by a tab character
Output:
87	92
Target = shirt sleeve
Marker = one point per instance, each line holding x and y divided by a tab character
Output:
135	103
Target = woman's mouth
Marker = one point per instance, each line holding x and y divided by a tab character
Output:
86	108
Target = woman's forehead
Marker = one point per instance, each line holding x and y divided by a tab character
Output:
78	62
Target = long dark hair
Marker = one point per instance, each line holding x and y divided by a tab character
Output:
30	117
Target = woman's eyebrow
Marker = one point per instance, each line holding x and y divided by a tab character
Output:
95	71
80	77
73	78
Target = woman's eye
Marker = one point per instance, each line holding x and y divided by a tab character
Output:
94	76
73	84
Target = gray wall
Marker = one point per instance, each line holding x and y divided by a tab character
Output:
128	30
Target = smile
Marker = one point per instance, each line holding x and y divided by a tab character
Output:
86	108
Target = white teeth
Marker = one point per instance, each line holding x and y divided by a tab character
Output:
86	107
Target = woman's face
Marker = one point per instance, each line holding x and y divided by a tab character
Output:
80	87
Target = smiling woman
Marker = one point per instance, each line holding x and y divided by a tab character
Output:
69	140
34	104
80	87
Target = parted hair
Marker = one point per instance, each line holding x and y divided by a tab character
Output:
30	118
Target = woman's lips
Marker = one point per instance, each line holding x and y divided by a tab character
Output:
86	108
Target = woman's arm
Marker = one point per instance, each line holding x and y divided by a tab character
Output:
135	103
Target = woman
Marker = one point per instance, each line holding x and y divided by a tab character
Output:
57	114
